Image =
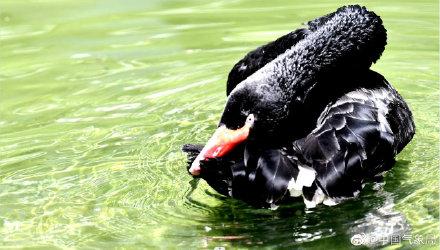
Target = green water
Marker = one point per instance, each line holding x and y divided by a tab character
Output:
97	98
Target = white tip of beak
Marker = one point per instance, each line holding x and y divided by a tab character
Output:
195	166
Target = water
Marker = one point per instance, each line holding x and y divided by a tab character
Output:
98	97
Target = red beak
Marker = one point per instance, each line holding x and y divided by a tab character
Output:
221	143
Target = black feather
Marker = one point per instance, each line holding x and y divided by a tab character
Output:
346	156
316	104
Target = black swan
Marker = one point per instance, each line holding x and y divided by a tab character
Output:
305	116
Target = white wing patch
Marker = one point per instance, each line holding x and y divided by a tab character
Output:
317	198
306	177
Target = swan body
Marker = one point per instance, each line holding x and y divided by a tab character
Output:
306	117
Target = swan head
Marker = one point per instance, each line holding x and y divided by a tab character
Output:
254	113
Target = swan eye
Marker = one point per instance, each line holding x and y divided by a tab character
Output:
250	119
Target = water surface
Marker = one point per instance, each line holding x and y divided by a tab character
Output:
97	98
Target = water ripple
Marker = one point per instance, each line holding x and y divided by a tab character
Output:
97	102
